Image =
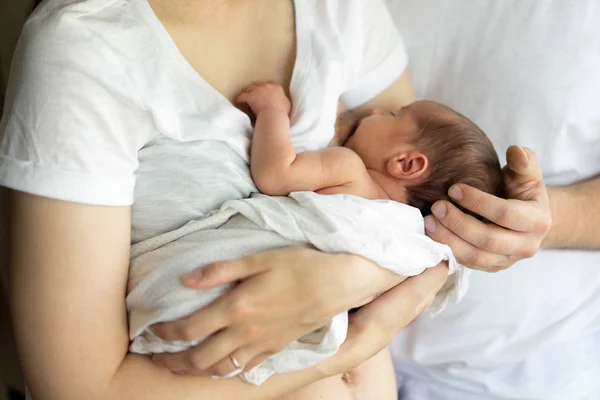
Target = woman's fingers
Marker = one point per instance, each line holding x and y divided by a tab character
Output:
196	326
259	359
223	272
198	362
246	358
194	361
179	363
233	364
217	348
465	252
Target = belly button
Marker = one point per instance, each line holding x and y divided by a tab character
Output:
347	378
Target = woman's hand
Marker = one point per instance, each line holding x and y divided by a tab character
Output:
374	325
519	223
283	294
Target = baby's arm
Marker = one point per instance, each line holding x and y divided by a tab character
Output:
275	166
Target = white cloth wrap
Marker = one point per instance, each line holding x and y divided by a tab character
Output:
389	233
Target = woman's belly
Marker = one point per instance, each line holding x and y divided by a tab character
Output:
373	379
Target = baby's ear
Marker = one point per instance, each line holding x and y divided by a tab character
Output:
408	165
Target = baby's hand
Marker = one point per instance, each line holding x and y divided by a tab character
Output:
263	95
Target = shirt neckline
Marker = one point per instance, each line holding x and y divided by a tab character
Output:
298	72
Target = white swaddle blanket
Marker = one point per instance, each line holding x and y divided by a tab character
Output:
389	233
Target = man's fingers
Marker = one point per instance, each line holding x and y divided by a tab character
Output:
512	214
487	237
222	272
523	162
517	160
465	252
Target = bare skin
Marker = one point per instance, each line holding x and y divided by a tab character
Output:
66	236
260	305
278	170
376	162
63	354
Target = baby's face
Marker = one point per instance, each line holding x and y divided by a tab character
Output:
382	134
377	136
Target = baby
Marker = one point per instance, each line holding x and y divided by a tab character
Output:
412	156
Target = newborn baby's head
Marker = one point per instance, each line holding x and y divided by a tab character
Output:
416	154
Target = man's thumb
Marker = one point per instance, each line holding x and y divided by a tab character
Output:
523	163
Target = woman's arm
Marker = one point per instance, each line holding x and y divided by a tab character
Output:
69	272
397	95
284	293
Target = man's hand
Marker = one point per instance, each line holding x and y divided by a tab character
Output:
518	225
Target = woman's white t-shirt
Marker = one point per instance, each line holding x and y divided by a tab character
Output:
103	109
527	72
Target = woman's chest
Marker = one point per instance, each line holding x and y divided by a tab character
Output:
199	157
229	55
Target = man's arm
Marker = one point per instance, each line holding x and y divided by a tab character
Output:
575	216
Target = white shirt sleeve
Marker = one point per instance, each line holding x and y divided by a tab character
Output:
374	48
71	126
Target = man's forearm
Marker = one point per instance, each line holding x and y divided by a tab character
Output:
575	216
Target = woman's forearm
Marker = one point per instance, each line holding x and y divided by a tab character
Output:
575	216
139	378
69	314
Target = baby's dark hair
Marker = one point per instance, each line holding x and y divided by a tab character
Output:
458	151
